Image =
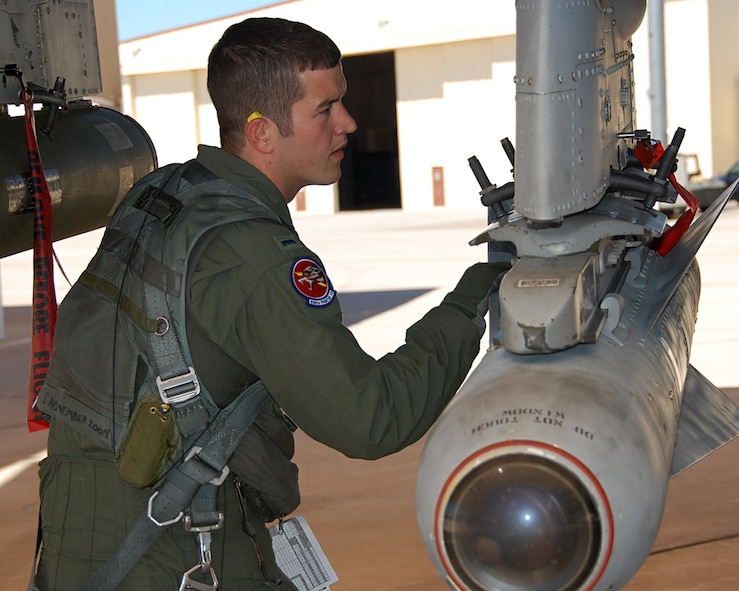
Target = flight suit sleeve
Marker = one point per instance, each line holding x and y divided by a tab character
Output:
275	311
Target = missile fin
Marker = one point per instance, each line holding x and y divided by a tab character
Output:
673	266
708	420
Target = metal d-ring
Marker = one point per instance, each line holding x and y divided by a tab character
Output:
162	326
150	510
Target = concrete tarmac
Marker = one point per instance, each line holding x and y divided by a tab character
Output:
390	268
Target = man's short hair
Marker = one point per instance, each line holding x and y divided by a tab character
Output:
255	67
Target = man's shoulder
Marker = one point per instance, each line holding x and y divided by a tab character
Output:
261	240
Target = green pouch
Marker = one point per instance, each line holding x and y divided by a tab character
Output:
151	444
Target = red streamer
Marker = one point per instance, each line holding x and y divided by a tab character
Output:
44	294
648	155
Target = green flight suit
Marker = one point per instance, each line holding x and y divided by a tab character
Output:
262	299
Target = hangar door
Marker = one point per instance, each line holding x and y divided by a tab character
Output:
370	176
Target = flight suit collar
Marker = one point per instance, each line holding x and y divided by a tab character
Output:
240	173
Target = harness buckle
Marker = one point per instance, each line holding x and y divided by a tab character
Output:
188	583
219	480
149	507
179	388
206	557
216	480
188	526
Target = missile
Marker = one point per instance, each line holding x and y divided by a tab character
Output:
549	469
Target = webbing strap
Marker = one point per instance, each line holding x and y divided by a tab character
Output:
216	438
177	382
180	485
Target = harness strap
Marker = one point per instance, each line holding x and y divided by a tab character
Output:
209	436
177	381
205	462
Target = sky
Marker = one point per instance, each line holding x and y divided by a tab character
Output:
143	17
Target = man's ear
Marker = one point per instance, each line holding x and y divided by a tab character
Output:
259	133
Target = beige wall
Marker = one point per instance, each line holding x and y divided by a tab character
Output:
702	86
165	104
455	100
723	37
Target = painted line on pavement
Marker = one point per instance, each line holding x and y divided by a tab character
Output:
11	471
6	344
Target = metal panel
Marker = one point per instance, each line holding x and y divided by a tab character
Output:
49	40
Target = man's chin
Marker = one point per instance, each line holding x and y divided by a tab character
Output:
330	179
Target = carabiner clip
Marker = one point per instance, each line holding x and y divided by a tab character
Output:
188	583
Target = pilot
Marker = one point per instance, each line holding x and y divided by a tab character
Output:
247	307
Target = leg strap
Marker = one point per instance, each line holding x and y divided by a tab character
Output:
204	463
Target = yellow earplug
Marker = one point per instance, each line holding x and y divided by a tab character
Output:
254	115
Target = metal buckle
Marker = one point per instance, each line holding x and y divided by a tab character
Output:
187	583
154	519
217	480
206	558
187	524
175	382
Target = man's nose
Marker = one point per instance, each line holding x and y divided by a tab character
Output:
347	124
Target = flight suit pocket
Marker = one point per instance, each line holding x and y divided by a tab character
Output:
151	443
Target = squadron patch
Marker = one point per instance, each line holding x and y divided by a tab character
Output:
310	280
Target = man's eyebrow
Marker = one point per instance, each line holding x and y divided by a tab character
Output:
334	99
327	103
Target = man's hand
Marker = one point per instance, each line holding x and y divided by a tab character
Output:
472	294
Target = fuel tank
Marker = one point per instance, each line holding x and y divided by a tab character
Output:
91	159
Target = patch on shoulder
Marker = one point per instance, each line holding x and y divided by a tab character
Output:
311	282
288	242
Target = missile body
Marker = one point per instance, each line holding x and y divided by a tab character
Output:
549	469
549	472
